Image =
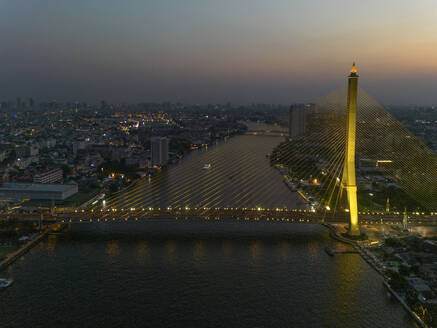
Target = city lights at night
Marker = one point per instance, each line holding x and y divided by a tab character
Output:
218	163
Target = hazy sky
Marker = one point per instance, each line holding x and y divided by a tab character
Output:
200	51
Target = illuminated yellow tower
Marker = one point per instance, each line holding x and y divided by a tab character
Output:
349	179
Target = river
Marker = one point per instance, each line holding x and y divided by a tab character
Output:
195	274
240	175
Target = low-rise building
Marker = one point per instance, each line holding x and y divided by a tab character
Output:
26	151
19	191
420	288
50	143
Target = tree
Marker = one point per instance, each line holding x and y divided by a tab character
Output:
397	282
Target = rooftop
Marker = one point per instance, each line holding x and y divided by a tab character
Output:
34	187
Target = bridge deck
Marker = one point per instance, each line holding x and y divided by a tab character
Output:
296	216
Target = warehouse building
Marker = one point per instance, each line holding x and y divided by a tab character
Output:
19	191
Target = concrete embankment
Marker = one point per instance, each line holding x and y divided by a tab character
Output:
11	258
405	305
334	235
364	253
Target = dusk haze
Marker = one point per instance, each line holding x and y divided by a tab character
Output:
233	163
216	51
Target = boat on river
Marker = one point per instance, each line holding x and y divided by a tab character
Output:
329	251
5	283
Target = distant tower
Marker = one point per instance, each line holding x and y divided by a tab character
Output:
387	205
349	179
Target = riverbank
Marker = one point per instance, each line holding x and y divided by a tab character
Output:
377	266
12	257
405	305
368	257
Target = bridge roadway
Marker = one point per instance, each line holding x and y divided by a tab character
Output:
254	214
266	133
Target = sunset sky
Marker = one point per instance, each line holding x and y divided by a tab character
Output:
202	51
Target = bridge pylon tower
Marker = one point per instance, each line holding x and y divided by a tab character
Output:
349	179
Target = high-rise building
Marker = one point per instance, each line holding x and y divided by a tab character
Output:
297	120
159	146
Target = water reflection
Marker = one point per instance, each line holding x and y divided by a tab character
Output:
284	250
113	248
142	252
345	288
198	252
255	250
170	247
51	243
227	248
313	250
254	277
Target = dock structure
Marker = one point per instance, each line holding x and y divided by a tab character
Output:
11	258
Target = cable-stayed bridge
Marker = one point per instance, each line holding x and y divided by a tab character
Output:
308	178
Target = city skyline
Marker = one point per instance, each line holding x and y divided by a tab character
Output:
215	52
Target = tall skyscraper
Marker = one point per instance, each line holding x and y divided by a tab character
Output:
297	120
159	147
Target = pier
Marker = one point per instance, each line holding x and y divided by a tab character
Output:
11	258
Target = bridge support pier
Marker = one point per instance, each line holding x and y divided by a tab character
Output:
354	228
